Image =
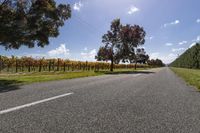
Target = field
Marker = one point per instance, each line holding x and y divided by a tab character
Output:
7	80
26	70
10	79
191	76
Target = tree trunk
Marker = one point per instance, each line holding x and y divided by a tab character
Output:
135	64
112	64
112	60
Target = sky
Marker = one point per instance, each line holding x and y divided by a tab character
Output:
172	26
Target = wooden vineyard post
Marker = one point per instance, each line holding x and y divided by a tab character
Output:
29	66
16	65
58	64
40	66
86	66
53	65
1	63
49	65
64	66
72	67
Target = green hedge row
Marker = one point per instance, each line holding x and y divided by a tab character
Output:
189	59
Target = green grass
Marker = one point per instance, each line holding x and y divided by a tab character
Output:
41	77
191	76
27	78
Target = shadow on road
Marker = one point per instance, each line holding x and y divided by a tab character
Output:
130	72
9	85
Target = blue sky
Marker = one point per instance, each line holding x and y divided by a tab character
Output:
172	26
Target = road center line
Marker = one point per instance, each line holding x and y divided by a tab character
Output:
33	103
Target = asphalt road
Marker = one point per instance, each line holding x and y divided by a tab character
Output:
153	102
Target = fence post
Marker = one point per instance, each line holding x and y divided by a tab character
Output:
40	66
98	67
16	70
58	65
64	66
72	67
29	66
95	67
0	64
87	67
80	66
53	65
49	65
68	66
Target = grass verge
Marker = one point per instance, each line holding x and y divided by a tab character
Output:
41	77
27	78
191	76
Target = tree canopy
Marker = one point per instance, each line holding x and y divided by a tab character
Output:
30	22
155	63
141	56
112	43
120	43
131	38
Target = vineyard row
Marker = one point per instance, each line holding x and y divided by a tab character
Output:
28	64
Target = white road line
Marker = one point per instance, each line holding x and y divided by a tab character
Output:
33	103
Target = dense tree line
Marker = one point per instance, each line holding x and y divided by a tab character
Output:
155	63
189	59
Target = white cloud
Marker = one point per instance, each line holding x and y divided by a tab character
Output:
169	44
198	39
183	42
89	55
77	6
150	38
133	10
35	55
169	58
172	23
60	52
198	20
166	59
154	55
85	49
194	43
178	49
175	22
